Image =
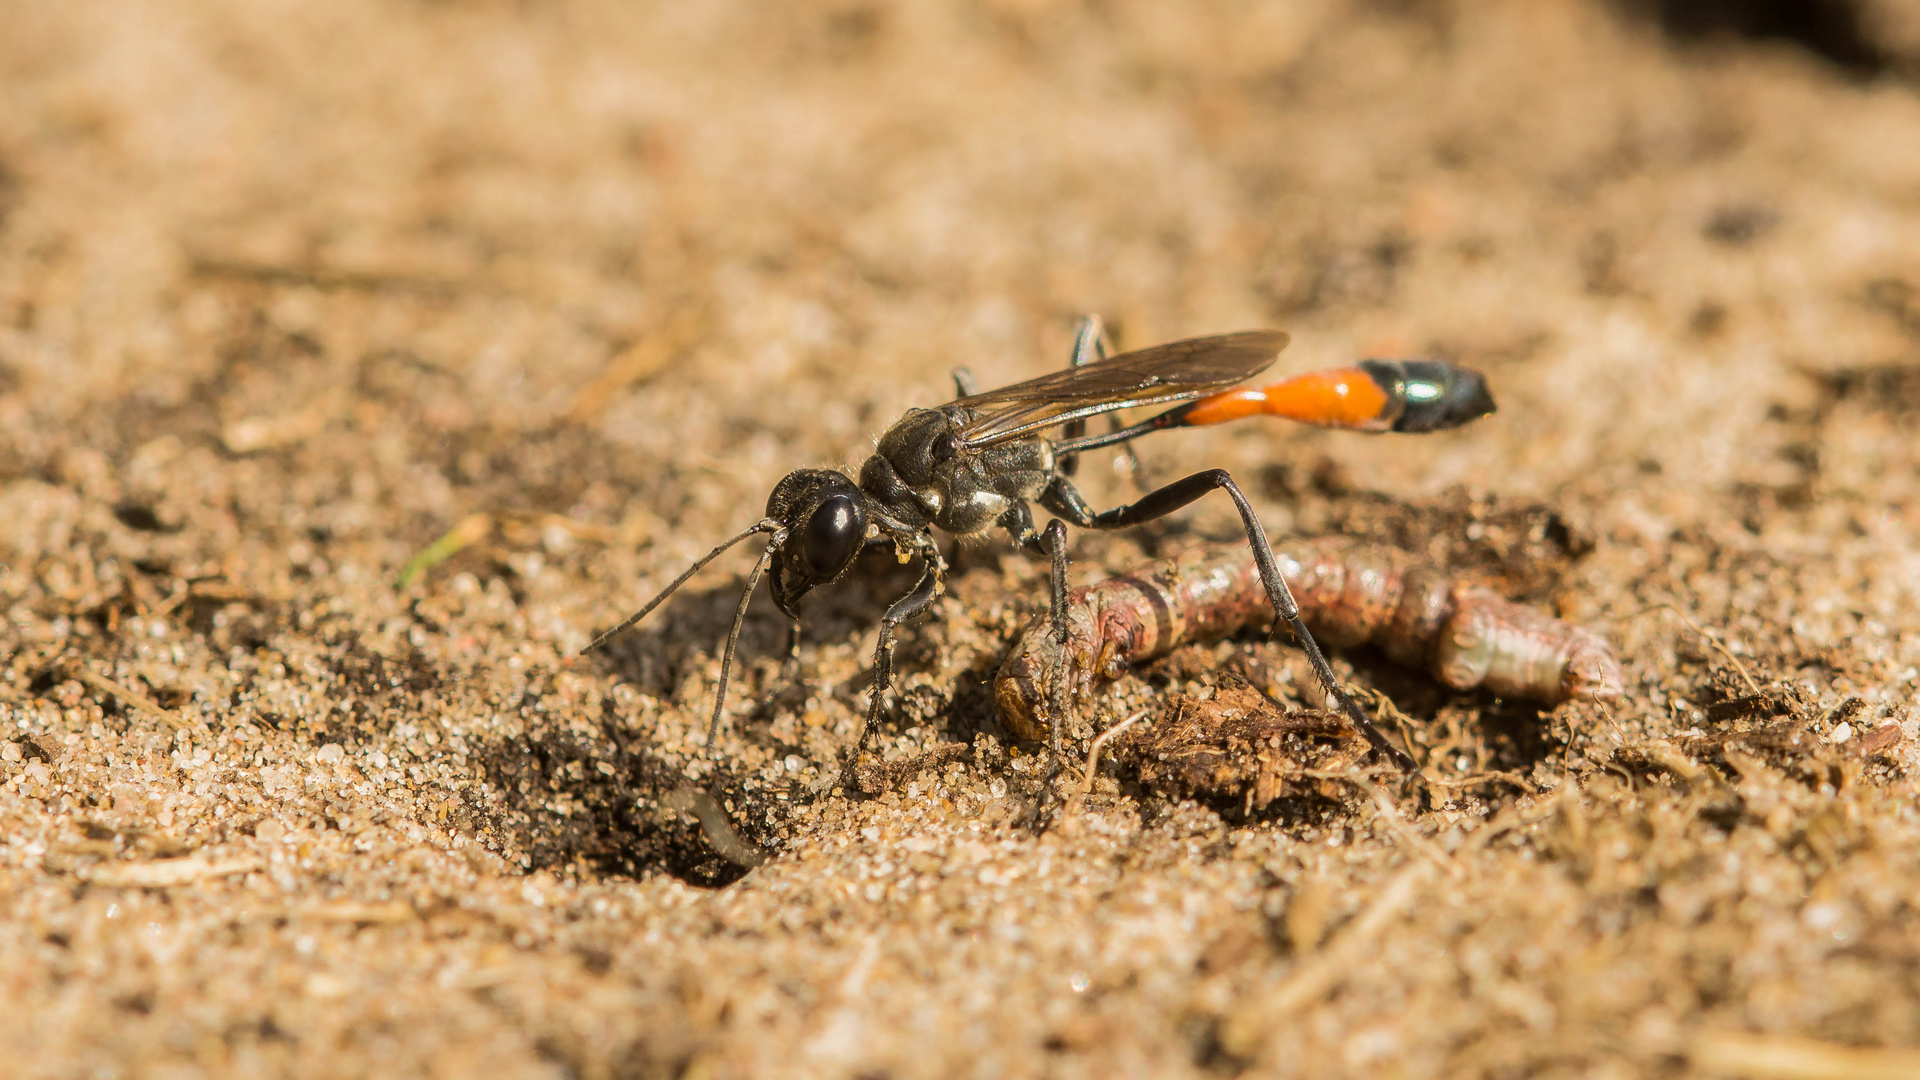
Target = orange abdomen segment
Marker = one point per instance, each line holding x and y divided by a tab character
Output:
1338	397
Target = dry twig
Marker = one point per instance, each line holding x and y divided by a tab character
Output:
1320	974
1791	1057
131	697
1093	751
1712	638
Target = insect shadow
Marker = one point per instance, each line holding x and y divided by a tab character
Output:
657	657
1512	732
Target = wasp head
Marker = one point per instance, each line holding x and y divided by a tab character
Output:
825	517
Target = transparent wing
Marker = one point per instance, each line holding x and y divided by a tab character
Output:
1176	371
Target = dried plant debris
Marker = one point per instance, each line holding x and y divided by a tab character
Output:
1779	725
873	776
1237	745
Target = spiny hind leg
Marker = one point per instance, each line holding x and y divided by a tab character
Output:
1063	499
1018	521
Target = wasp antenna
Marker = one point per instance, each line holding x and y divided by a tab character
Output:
733	636
765	525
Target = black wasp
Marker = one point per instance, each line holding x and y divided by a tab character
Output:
980	461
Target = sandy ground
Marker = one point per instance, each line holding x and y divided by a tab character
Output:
290	289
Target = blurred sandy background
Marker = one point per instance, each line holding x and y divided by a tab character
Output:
289	289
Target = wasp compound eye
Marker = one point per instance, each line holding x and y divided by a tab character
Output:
832	537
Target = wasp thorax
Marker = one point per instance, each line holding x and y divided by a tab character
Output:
919	444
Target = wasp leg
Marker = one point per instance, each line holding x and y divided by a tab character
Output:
1134	468
1063	499
1018	521
963	384
1056	542
1090	344
932	584
1102	349
1053	543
